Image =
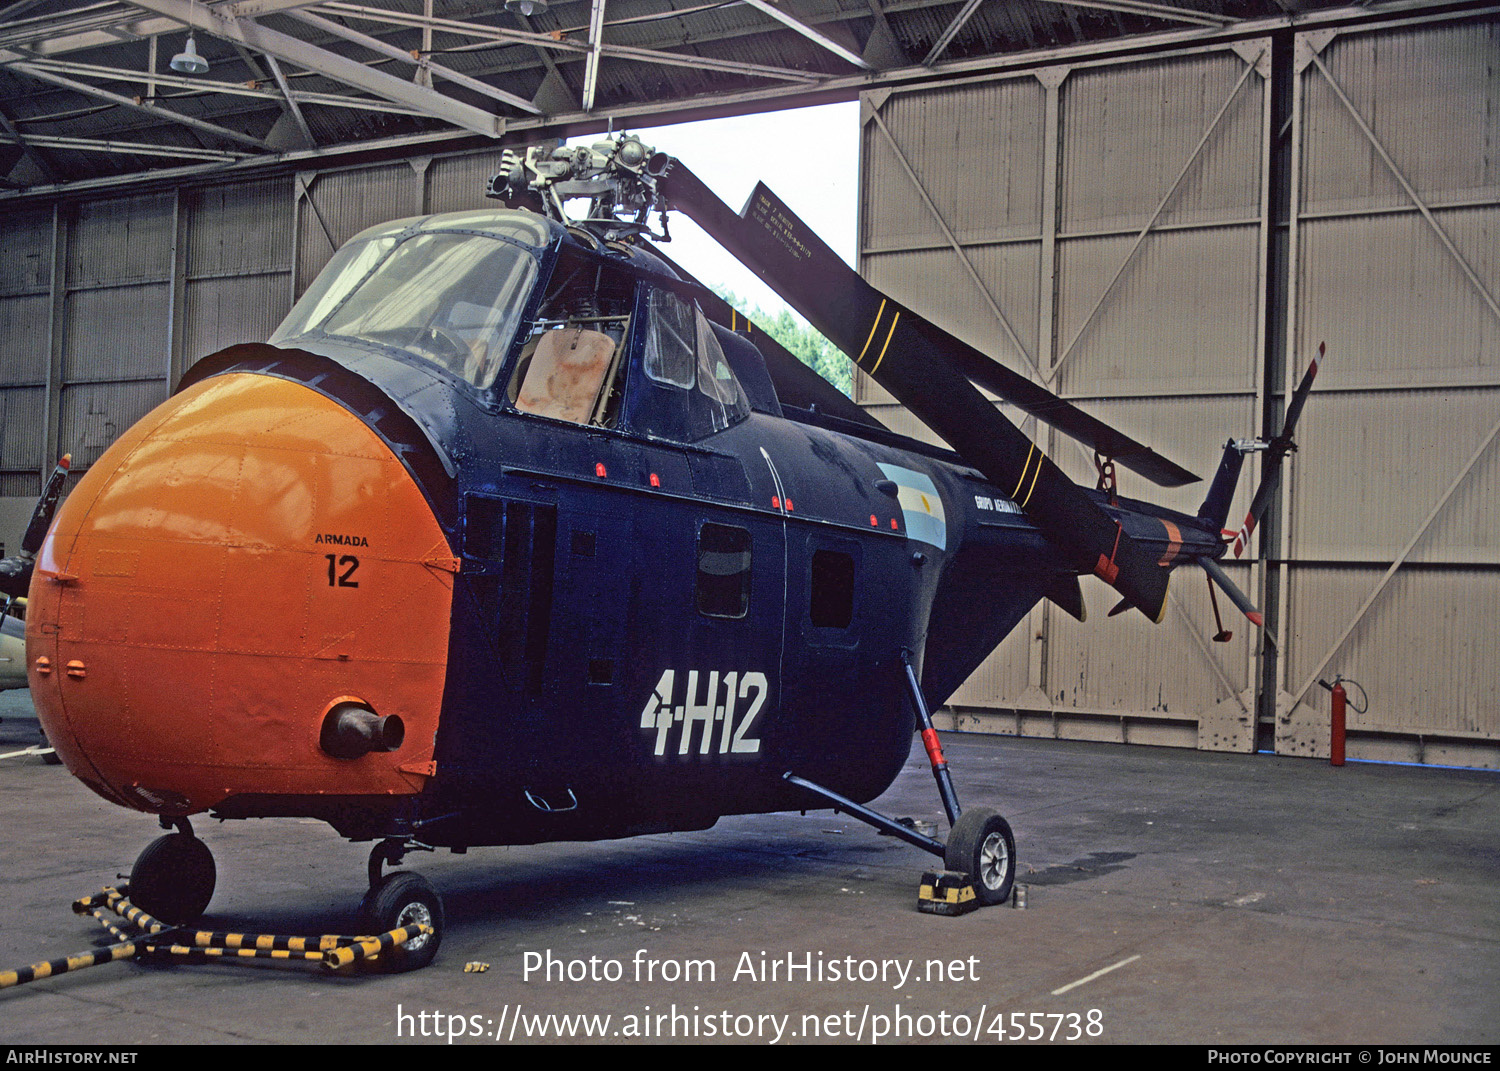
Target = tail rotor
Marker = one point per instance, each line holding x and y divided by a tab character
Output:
1276	451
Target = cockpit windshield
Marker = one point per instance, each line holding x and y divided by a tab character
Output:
452	298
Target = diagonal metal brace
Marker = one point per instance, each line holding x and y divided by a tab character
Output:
869	817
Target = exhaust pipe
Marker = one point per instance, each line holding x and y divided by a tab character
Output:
351	730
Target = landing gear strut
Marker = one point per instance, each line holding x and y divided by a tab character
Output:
401	898
980	843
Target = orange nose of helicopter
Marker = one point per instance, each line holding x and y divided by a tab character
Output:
246	595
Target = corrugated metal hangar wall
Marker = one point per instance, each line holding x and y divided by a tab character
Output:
1166	239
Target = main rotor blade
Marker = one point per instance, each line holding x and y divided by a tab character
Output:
1275	454
915	360
46	505
16	569
1065	416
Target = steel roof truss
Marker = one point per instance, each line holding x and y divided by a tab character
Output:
340	68
947	36
374	44
591	65
133	148
16	62
788	20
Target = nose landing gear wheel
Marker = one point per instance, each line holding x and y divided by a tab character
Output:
982	846
405	899
173	879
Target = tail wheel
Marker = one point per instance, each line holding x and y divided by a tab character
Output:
173	879
405	899
982	846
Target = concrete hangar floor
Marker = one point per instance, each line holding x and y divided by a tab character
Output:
1172	897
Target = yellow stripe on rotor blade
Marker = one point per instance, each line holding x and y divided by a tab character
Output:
878	314
1040	458
883	348
1015	495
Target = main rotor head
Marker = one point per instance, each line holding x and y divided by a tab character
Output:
618	176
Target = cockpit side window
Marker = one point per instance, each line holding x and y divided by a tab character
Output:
671	340
572	366
689	391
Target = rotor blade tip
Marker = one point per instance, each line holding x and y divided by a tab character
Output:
1257	619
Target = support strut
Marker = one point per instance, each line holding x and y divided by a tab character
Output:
930	742
869	817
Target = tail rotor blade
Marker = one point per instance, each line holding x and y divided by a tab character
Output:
1275	453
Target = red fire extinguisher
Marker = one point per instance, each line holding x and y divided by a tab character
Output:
1336	733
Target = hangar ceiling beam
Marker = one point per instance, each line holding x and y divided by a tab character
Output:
16	10
545	44
374	44
292	107
351	72
15	61
497	34
254	9
1159	11
149	78
236	89
132	148
591	64
35	157
709	63
767	8
56	38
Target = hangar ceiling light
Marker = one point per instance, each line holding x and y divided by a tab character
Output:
188	61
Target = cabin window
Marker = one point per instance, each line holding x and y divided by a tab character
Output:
452	299
723	588
832	589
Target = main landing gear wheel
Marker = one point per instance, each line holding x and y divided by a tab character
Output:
404	899
982	846
173	879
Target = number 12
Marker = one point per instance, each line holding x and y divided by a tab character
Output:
342	580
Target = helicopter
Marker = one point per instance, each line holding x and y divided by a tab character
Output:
513	532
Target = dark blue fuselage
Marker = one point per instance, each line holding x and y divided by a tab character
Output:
656	617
